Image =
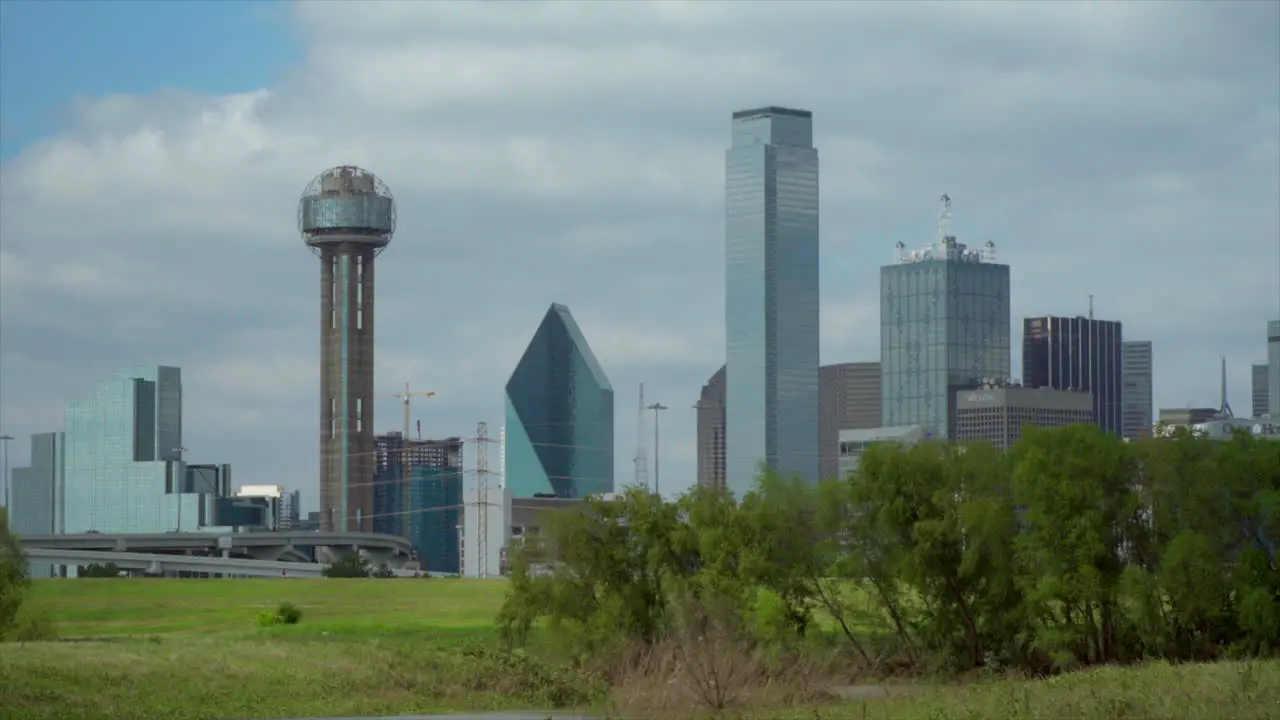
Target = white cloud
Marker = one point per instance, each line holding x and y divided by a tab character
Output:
573	152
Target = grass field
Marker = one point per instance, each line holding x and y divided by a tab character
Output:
159	649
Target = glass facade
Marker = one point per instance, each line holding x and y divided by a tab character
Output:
1138	389
122	473
944	327
771	296
1077	353
428	511
559	415
36	492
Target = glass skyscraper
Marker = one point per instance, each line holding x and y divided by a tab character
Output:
559	415
944	327
771	296
122	468
1137	395
1078	353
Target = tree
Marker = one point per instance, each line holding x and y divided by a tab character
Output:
96	570
348	565
13	575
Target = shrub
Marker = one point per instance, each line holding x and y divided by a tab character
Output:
286	613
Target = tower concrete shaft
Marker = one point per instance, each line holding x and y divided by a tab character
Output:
346	386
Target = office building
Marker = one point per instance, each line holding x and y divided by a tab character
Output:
854	443
710	447
849	400
1273	366
291	510
944	327
35	495
1137	386
347	217
1077	353
123	469
559	415
1261	390
1187	417
36	491
418	495
771	296
997	415
207	480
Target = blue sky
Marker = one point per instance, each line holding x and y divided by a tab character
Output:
54	51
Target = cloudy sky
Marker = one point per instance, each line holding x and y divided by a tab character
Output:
152	155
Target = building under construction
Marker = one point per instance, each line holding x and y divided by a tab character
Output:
417	494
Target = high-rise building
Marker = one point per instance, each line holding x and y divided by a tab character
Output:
559	415
1261	387
36	493
433	495
849	400
771	296
291	510
347	217
1273	366
710	407
944	327
997	415
1078	353
1137	392
123	466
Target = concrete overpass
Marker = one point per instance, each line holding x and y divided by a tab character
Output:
300	546
157	563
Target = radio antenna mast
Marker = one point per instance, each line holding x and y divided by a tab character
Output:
642	449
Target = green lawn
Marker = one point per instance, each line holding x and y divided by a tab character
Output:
151	649
148	606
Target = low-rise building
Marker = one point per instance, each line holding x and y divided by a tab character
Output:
998	414
854	443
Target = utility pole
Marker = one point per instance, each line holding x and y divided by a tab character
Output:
180	480
657	408
4	440
405	469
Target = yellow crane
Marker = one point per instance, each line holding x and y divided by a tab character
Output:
407	396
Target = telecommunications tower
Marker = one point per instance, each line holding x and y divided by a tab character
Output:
347	217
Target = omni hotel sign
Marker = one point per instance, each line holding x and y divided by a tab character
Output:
1266	429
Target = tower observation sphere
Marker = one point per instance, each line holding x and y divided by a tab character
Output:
347	217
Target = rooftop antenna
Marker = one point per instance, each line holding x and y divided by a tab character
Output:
944	220
1225	409
1091	307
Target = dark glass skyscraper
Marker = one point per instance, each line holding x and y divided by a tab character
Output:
771	296
1077	353
559	415
711	459
944	327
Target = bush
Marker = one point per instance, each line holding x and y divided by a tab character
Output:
31	628
286	613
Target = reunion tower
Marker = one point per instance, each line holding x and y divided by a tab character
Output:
347	217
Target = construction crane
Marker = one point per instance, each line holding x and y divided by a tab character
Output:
407	396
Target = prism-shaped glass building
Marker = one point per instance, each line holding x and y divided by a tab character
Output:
559	415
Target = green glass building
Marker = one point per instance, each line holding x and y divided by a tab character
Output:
559	415
122	465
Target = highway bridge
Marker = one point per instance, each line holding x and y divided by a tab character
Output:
160	564
298	547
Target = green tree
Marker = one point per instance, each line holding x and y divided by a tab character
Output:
13	575
1074	489
348	565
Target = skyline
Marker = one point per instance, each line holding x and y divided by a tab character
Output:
1039	152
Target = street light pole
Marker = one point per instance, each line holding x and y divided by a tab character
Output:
180	479
4	440
657	476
